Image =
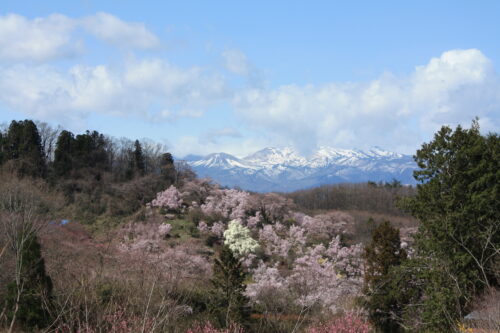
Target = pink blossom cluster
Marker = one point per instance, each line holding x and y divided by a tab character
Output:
329	225
282	242
321	276
273	207
164	229
350	322
270	285
216	229
170	199
227	204
197	190
144	241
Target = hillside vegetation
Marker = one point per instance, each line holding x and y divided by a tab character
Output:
107	235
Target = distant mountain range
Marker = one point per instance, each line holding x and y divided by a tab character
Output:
283	170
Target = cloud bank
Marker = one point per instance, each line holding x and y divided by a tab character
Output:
392	111
139	88
53	37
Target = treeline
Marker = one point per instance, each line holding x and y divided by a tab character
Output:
100	173
371	196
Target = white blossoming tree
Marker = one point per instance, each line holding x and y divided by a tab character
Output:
237	238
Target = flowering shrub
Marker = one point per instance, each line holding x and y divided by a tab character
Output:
281	241
164	229
226	204
348	323
238	238
270	290
216	229
170	199
324	225
319	277
273	207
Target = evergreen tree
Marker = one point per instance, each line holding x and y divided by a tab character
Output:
167	167
457	244
228	302
383	253
31	294
63	159
24	148
90	151
139	158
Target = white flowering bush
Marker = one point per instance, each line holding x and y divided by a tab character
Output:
237	238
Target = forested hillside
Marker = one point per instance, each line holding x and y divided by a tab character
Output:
112	235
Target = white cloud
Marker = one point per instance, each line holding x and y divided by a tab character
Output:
145	88
239	147
236	62
391	111
214	136
39	39
46	38
111	29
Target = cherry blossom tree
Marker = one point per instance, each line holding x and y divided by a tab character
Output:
170	199
281	241
164	229
226	204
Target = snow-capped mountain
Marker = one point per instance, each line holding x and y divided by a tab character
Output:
283	169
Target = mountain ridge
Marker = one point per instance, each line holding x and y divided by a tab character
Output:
284	170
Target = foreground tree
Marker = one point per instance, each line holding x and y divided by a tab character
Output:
28	297
22	208
229	304
458	241
383	253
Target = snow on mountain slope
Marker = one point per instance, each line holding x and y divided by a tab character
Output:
275	169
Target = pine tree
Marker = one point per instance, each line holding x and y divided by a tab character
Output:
383	253
168	168
228	302
63	159
31	294
457	244
138	158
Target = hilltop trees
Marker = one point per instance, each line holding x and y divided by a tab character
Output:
139	165
63	161
22	147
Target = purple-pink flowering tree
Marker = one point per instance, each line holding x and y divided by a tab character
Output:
226	204
164	229
282	242
272	207
170	199
324	226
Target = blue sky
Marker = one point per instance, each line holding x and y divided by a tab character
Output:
211	76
